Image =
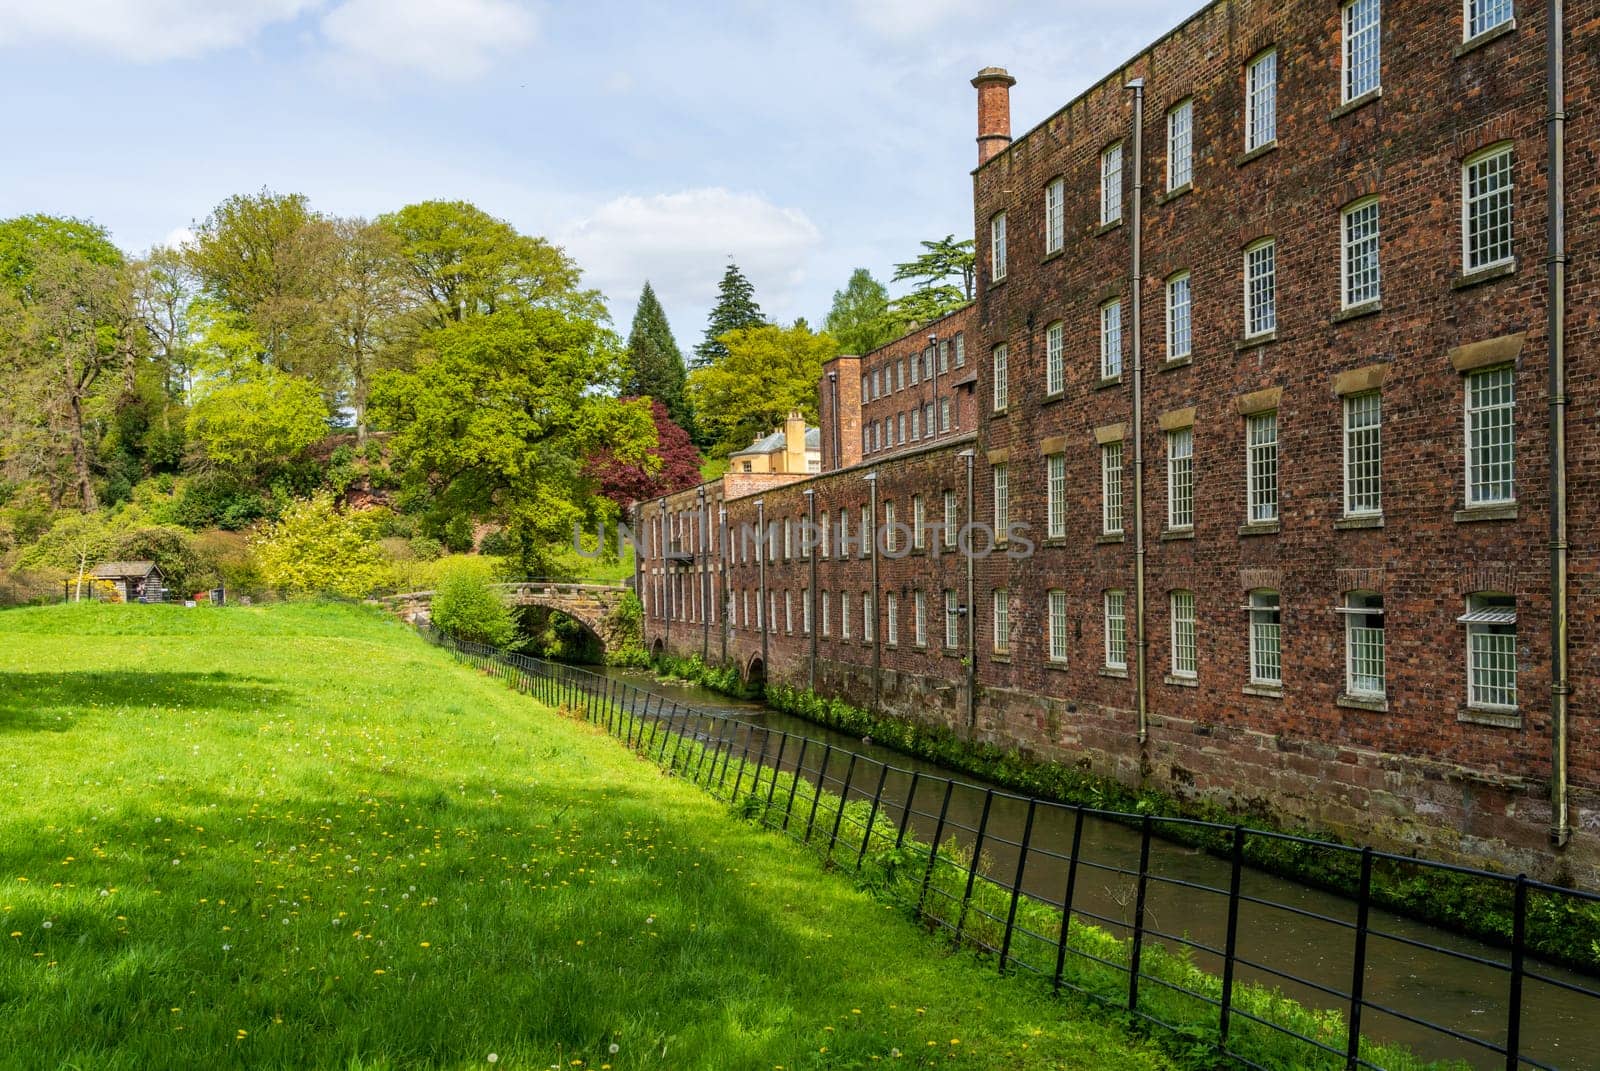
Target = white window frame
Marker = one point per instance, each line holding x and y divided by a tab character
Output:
1111	339
1489	615
827	623
1001	472
1476	414
869	617
1365	645
1360	263
1111	184
844	615
1361	48
1475	16
1262	466
1180	316
919	617
1491	203
1055	493
1056	626
1001	383
891	619
952	624
1261	101
1111	465
1363	454
1180	145
1261	288
1115	625
1185	652
1266	638
1180	479
997	247
788	611
805	611
1055	216
952	519
1055	358
1001	636
890	543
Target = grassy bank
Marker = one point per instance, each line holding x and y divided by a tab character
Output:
1558	928
296	836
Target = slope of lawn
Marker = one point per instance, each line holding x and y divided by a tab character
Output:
299	837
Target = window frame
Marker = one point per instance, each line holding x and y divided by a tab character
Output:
1269	246
1111	194
952	623
1347	247
1179	627
1000	621
1057	649
1252	499
1358	605
1177	479
1259	606
1185	108
1348	61
1055	358
1185	278
1490	152
1479	602
1350	402
919	611
1111	339
1000	473
997	247
1257	91
1469	33
1119	598
1055	216
1472	501
1055	495
999	381
1111	500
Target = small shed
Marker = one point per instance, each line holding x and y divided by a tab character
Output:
134	581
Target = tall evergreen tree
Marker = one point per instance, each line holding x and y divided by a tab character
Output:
859	318
655	364
735	310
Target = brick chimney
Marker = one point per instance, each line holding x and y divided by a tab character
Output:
994	111
794	442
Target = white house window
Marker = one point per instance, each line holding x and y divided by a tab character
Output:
916	368
1056	494
961	349
927	420
1491	622
1116	625
1111	184
916	424
1180	146
1486	191
891	618
1262	466
949	518
1491	428
868	536
869	617
997	247
1002	392
1111	488
901	427
1261	288
944	414
1185	658
826	620
827	527
1362	26
788	611
1363	454
1179	331
1055	216
1058	626
1261	102
951	618
1180	478
890	542
1359	263
1111	340
1485	15
919	521
805	611
1363	644
1055	358
1002	621
745	596
844	615
919	613
1002	500
1266	655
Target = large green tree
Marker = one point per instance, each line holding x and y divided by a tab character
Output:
767	372
943	262
259	423
735	310
365	309
859	318
494	420
655	364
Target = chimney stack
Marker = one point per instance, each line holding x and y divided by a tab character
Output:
994	111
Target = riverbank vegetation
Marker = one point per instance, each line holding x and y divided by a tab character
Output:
296	836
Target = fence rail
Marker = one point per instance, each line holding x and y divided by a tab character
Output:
840	803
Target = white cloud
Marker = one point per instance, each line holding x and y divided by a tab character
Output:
909	18
146	31
178	238
681	242
452	40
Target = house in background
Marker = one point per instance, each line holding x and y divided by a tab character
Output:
134	581
794	448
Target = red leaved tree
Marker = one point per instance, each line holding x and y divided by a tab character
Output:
624	483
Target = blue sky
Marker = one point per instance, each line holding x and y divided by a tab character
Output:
652	140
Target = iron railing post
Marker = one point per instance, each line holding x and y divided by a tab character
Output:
1358	971
777	771
977	858
1066	900
816	795
872	816
844	798
1230	946
1016	884
1519	934
905	811
794	787
933	849
1137	948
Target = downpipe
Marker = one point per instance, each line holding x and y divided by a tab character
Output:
1141	639
1556	282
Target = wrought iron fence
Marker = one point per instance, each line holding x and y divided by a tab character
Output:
1032	915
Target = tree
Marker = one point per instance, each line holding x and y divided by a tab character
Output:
768	372
163	289
735	310
671	466
366	299
923	307
466	607
316	550
254	425
655	365
941	261
859	318
493	423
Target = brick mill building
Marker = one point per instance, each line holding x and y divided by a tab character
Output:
1283	366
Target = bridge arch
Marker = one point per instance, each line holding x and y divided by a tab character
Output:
591	605
755	671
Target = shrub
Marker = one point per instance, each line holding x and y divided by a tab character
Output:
465	606
317	550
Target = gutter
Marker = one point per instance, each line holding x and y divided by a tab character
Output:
1556	282
1142	641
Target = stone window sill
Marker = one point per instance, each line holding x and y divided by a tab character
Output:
1109	381
1059	667
1172	534
1001	657
1054	541
1057	255
1175	362
993	283
1259	528
1257	153
1356	312
1362	702
1181	682
1356	103
1471	514
1174	194
1263	339
1345	524
1264	691
1109	538
1484	275
1053	396
1118	674
1107	228
999	412
1484	38
1500	719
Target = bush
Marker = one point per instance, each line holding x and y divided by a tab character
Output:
466	607
317	550
426	548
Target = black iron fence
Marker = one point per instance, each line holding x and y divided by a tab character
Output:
1027	899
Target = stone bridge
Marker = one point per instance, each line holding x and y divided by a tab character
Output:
590	604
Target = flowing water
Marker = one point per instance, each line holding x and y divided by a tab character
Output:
1559	1028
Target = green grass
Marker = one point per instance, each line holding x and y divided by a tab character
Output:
296	836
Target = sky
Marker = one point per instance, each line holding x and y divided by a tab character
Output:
651	140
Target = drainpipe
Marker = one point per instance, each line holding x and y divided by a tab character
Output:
833	391
1556	268
705	578
972	613
933	368
811	583
762	614
1142	641
877	649
724	604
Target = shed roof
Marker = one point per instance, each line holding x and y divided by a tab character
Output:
109	569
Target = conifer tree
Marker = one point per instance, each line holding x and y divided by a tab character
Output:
655	364
735	310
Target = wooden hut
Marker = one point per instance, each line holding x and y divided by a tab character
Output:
134	581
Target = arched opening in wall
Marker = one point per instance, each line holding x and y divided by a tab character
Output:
560	637
657	649
755	673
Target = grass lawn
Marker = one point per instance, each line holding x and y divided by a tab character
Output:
297	836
